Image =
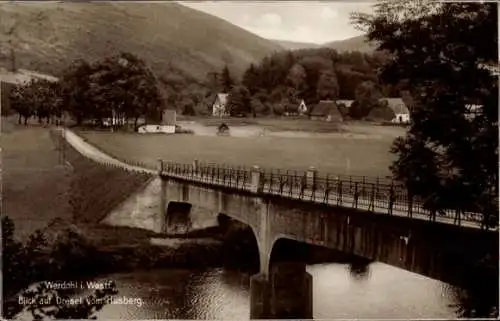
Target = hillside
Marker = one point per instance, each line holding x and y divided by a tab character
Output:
47	37
358	43
292	45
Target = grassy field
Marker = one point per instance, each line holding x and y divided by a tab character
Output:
341	154
38	187
271	124
35	184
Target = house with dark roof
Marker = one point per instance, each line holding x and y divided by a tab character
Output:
326	110
166	126
399	108
219	106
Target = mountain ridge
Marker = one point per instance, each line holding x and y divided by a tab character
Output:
356	43
48	37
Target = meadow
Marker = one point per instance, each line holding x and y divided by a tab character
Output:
39	187
344	153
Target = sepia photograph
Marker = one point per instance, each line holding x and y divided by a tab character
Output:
239	160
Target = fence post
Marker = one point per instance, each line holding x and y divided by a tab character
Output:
410	206
195	166
372	199
160	167
339	188
311	175
355	204
391	199
327	189
256	186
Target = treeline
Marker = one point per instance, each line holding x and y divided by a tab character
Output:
121	90
118	90
276	84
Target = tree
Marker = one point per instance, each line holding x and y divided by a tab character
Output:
115	87
367	98
249	79
75	85
34	261
258	107
328	86
441	51
297	79
227	81
20	102
238	102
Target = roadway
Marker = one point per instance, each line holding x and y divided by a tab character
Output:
363	204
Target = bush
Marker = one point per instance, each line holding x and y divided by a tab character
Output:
180	130
43	259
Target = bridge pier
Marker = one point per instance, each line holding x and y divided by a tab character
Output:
284	293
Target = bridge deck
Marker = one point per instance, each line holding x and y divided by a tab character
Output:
367	196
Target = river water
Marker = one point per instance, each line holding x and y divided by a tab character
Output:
380	292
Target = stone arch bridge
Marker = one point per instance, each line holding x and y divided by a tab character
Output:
370	218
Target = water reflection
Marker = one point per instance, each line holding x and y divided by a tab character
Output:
359	270
385	292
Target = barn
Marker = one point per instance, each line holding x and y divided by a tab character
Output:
166	126
326	110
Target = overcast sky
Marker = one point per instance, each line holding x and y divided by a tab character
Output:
301	21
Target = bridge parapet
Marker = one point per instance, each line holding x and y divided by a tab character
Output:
375	195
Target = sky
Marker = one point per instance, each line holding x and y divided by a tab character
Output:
300	21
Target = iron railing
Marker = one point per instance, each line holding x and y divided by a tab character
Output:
376	195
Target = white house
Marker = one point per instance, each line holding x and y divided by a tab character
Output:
167	125
345	103
302	107
219	106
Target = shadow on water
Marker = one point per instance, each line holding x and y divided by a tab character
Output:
359	269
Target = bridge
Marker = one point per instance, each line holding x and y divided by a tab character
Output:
370	218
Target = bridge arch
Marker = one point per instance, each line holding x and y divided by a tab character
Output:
177	217
240	235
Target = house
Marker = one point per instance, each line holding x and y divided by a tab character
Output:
302	107
167	125
326	110
472	110
219	106
294	109
399	108
345	103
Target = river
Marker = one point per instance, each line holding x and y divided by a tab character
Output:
380	292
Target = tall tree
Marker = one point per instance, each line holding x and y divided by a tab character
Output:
249	79
238	102
367	97
328	86
449	156
297	79
227	81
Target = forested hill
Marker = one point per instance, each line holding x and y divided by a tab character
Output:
47	37
313	74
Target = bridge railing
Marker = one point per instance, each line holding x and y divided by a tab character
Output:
371	194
